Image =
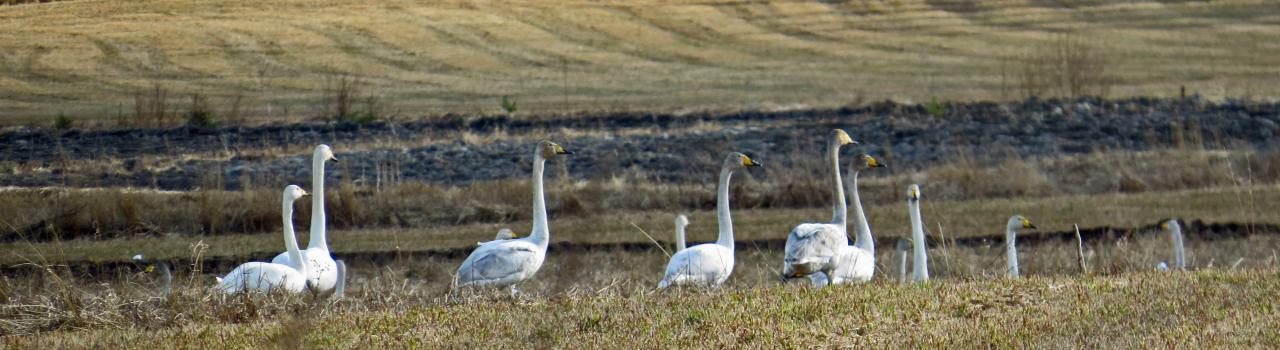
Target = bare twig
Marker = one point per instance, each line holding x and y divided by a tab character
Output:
1084	269
655	242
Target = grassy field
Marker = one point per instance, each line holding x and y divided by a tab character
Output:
1203	309
99	61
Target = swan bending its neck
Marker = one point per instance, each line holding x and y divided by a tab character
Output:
920	263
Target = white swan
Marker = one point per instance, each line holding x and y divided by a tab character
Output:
340	291
1179	254
507	262
265	277
855	263
812	247
920	263
681	222
166	276
904	244
503	234
1010	237
710	264
324	271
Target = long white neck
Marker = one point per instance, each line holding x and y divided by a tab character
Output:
902	264
541	234
1011	250
1179	255
291	239
679	237
863	241
318	234
722	209
839	210
920	263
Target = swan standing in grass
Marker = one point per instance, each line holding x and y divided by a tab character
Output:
166	276
920	263
710	264
265	277
1010	236
507	262
1179	254
681	222
324	271
812	247
854	263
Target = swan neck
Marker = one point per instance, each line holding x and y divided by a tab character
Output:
1010	237
1179	254
839	210
290	238
680	237
863	240
722	209
319	239
540	231
920	268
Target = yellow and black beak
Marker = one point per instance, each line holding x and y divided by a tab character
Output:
561	150
334	158
150	268
1027	224
872	162
304	192
748	162
1164	226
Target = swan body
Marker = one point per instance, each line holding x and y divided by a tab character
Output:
920	249
710	264
266	277
324	271
856	263
681	222
1011	233
812	247
502	263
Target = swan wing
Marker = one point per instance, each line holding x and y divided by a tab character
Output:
853	265
499	262
704	264
811	247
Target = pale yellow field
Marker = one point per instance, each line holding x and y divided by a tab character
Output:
87	59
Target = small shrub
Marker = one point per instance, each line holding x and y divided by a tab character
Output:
508	104
63	122
935	108
200	116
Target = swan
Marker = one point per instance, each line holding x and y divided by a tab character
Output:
503	263
166	276
681	222
855	263
1010	236
340	291
503	234
1179	254
324	271
904	244
920	263
812	247
265	277
710	264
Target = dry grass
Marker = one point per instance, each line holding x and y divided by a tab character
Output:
87	58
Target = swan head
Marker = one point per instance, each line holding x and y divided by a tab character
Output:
1018	221
324	153
1170	225
869	162
293	193
913	193
505	233
841	138
739	160
682	221
548	150
904	244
